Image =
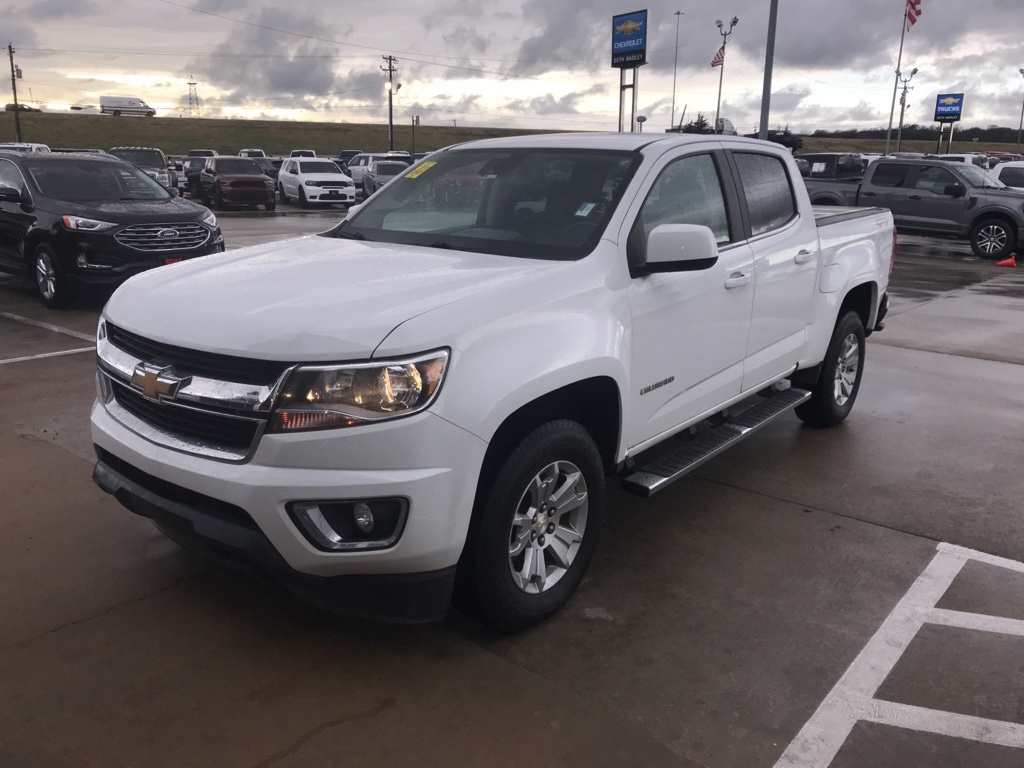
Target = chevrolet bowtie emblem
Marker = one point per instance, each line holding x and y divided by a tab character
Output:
156	383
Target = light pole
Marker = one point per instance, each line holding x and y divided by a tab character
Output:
903	103
721	74
1021	126
675	66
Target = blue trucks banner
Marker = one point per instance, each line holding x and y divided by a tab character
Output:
948	107
629	40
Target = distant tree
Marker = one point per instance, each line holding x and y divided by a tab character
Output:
700	125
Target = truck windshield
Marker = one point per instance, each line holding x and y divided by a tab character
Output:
979	177
530	203
145	158
89	181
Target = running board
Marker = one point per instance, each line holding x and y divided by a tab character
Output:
661	473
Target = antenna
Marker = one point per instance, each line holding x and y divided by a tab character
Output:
193	98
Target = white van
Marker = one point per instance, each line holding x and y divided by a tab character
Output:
125	105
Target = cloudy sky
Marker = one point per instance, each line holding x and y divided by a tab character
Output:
541	64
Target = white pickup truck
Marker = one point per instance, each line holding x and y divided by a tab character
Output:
429	397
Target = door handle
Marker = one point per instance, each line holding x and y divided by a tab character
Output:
913	197
737	279
867	194
804	256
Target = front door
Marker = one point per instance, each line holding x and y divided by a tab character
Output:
689	328
14	221
931	204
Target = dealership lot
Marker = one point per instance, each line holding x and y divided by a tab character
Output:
723	623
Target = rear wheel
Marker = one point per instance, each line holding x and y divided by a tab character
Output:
833	396
538	527
49	278
271	206
993	239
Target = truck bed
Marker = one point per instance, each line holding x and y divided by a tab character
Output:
825	215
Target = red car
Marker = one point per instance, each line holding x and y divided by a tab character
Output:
227	180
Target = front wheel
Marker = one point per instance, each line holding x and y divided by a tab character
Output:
538	527
271	206
303	202
833	396
993	239
49	278
284	195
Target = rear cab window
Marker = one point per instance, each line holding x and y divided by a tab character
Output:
767	190
889	174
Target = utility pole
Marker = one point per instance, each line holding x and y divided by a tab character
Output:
15	75
769	63
675	66
903	102
390	70
896	85
193	98
415	122
1021	126
721	74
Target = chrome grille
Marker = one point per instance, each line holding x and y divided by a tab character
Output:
341	184
247	184
158	237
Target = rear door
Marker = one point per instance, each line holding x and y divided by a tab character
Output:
785	248
887	185
14	221
689	329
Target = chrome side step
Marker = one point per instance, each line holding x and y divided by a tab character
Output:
666	470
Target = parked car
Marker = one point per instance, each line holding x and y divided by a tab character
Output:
380	172
23	146
125	105
357	165
970	158
78	151
75	221
251	153
227	180
20	108
269	166
314	181
436	390
302	153
937	198
345	155
1011	173
193	165
152	161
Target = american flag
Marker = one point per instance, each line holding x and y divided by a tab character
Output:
913	12
719	59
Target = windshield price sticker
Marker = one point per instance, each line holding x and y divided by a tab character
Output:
418	171
585	209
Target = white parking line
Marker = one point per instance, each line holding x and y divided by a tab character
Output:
852	698
48	327
47	354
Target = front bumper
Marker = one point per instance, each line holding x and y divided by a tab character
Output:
187	495
246	195
330	194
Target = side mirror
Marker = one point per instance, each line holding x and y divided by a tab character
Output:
953	190
680	248
10	195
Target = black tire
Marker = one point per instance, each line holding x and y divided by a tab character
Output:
493	592
253	206
303	202
49	279
271	206
831	401
283	194
218	201
993	239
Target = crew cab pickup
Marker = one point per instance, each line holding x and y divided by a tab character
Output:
937	198
430	397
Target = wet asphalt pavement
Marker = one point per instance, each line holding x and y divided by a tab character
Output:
847	597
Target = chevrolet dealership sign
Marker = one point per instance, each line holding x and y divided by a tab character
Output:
948	107
629	40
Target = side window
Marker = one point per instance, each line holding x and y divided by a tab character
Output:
688	191
766	187
890	174
1012	177
934	179
10	176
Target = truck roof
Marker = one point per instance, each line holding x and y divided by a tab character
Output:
614	141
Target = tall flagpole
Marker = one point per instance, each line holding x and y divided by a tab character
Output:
896	84
675	67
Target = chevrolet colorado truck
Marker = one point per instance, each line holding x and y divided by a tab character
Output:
428	399
935	197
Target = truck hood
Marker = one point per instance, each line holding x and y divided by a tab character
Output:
307	299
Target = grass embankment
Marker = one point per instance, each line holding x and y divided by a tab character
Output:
177	135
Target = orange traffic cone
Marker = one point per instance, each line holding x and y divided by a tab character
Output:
1010	262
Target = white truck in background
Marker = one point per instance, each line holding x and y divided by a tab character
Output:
430	396
125	105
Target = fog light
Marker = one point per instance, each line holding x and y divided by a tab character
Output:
348	525
363	517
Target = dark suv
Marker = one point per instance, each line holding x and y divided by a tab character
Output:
152	161
74	221
229	180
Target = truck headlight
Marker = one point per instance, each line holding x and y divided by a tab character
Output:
80	224
210	220
326	397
